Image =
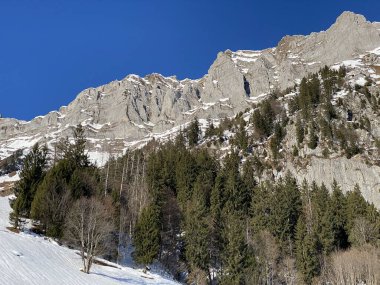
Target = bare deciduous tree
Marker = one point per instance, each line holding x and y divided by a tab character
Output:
363	232
88	225
268	254
355	266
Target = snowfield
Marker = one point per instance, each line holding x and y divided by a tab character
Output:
29	259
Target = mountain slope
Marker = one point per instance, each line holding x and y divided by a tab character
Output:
136	107
29	259
132	111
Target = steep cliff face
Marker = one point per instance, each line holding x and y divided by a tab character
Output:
133	110
346	172
135	107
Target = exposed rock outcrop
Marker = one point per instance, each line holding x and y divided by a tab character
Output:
135	108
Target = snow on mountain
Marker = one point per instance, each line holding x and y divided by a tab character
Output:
136	108
28	259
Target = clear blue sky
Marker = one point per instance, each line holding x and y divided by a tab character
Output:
51	50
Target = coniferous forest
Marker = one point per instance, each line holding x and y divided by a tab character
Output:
212	219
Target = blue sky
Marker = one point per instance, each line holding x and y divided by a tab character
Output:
51	50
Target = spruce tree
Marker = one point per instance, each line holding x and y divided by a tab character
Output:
306	252
185	174
197	233
285	209
52	199
356	207
75	152
31	175
146	238
300	132
313	137
235	252
322	219
304	99
261	207
338	206
237	195
241	138
193	132
216	207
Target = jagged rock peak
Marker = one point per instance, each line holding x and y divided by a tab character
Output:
350	18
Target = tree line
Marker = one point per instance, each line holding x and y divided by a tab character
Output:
213	218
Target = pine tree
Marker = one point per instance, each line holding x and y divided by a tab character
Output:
235	252
146	238
300	133
285	209
211	130
314	89
216	207
338	206
193	132
306	252
241	138
323	219
75	153
263	119
261	207
304	99
31	175
237	195
197	233
356	207
185	174
52	199
249	174
313	137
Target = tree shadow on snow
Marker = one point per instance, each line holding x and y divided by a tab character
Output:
121	279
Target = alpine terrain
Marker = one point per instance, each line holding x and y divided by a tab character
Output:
264	171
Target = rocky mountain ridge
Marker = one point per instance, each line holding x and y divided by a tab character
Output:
134	110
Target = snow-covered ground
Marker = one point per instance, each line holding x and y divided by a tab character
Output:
29	259
10	178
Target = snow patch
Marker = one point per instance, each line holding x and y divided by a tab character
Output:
376	51
361	81
7	178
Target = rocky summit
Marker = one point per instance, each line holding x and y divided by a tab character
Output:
134	110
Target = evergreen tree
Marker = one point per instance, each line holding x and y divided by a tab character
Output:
306	252
237	196
75	153
314	89
241	138
51	202
304	99
31	175
146	238
313	137
197	233
323	219
338	206
71	177
211	130
234	252
261	207
300	132
356	207
285	209
185	174
216	206
249	176
263	119
193	132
